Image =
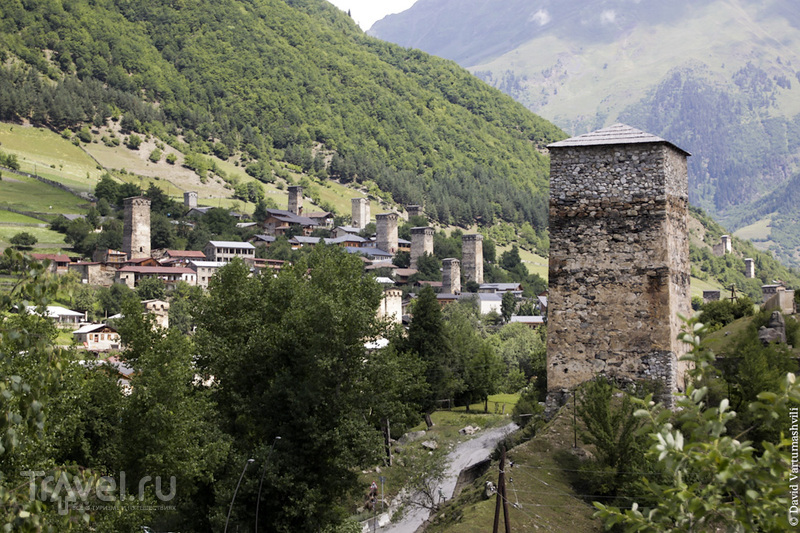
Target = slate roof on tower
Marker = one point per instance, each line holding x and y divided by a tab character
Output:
616	134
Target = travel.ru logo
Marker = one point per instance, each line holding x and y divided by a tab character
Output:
75	491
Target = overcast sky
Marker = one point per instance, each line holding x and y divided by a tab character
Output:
366	12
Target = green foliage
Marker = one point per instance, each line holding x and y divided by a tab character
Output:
723	312
612	429
507	306
133	142
378	107
155	156
287	352
160	438
429	268
9	160
427	339
23	240
712	479
171	158
29	387
524	349
151	288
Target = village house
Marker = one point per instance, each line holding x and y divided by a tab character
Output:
142	261
225	251
262	266
182	257
279	221
323	219
95	273
348	241
97	337
502	288
262	240
131	275
109	256
530	321
342	231
486	302
205	270
299	241
61	316
59	263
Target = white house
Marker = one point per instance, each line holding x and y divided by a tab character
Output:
97	337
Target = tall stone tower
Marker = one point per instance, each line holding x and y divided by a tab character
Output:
296	200
472	256
360	210
619	259
421	243
414	211
749	268
451	276
190	199
136	227
386	232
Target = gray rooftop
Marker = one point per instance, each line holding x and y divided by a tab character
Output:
616	134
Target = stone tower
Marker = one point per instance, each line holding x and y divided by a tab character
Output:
360	209
421	243
451	276
619	259
190	199
472	256
386	232
391	307
414	211
749	268
296	200
136	227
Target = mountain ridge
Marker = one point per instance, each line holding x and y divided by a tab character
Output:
719	78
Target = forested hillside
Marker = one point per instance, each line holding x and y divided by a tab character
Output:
720	78
263	79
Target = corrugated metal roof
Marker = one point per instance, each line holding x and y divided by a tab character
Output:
616	134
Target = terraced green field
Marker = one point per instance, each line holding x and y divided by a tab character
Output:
29	194
47	154
9	217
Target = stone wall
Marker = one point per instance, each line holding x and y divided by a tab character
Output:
136	227
619	263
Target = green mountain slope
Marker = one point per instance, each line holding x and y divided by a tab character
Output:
720	78
255	79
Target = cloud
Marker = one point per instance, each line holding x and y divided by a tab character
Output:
609	16
542	17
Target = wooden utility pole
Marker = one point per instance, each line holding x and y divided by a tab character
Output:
501	495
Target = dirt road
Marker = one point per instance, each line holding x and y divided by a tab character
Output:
465	455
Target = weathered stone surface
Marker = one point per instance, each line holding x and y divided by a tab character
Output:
430	445
774	331
619	263
411	437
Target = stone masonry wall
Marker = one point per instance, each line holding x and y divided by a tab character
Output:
619	263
